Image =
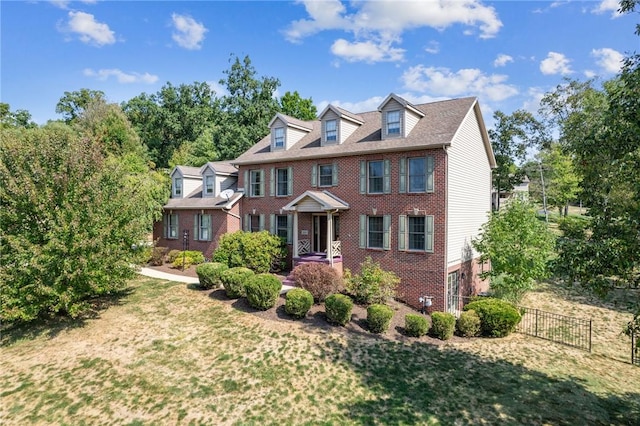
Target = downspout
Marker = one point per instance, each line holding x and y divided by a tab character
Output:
446	226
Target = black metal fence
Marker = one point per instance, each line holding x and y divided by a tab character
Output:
569	331
635	348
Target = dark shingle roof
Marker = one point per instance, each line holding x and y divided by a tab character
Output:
196	201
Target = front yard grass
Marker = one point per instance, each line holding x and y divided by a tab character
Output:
166	354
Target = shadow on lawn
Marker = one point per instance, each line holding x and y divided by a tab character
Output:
423	383
623	300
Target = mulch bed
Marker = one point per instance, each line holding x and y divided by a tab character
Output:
316	319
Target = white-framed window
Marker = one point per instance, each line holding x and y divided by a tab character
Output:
177	187
278	137
375	177
208	185
256	183
325	171
171	226
202	227
374	232
282	182
416	174
415	233
282	226
393	123
331	130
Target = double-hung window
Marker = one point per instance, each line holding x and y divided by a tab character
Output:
281	225
374	232
171	226
254	223
202	227
177	187
331	130
282	182
415	233
326	174
278	137
208	185
416	174
375	176
256	183
393	123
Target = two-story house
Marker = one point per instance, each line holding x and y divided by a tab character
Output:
408	185
203	207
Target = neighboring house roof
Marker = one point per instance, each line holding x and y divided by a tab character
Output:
188	171
437	128
219	167
196	201
323	200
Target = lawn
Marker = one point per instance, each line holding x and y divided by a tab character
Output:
167	354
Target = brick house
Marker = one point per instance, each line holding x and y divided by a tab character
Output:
203	205
408	185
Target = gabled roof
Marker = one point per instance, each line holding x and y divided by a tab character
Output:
325	201
437	129
292	122
195	201
187	171
342	113
402	102
219	168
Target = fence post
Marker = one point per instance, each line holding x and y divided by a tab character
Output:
633	348
590	321
536	334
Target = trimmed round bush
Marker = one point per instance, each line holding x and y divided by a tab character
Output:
262	291
468	325
233	280
443	324
157	256
379	317
172	255
209	274
416	325
298	302
188	257
320	279
498	318
338	308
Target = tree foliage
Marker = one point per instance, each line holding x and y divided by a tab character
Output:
293	105
72	104
518	245
562	183
70	218
18	118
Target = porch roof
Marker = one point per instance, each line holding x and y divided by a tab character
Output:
316	201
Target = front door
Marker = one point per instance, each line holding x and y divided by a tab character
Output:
319	242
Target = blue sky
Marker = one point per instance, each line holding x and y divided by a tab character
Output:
351	53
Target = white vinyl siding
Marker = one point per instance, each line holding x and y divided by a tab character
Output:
469	190
410	121
346	129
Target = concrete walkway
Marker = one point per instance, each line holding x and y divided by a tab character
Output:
152	273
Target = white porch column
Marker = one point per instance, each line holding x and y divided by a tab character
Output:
295	233
330	237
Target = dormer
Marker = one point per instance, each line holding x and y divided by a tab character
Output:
398	117
216	177
184	180
287	131
337	125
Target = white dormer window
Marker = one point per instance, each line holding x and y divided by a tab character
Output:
331	130
208	185
393	123
177	187
278	137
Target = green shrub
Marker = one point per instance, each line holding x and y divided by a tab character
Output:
443	325
319	279
263	291
468	325
372	285
157	256
298	302
379	317
338	308
416	325
209	274
173	255
259	251
498	318
233	280
189	257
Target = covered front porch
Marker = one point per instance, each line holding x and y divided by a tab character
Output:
316	228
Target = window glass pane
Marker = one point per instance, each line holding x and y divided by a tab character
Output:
255	183
279	137
281	227
177	186
326	175
282	179
331	130
205	221
393	122
209	184
254	221
376	176
416	233
375	232
173	226
417	177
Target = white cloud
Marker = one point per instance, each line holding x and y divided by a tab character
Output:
433	47
555	63
378	25
502	60
366	51
608	59
188	32
606	6
121	76
590	73
89	30
370	104
464	82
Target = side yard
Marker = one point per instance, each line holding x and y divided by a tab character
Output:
166	353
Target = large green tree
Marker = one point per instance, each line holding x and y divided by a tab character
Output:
70	217
18	118
72	104
294	105
518	245
561	182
